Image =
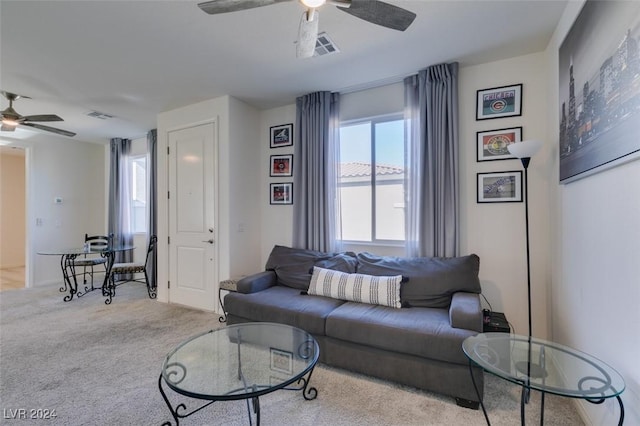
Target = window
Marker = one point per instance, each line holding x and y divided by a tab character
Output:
138	188
371	180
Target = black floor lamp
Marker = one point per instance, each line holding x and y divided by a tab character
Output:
524	151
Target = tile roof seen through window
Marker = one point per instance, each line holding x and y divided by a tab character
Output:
356	169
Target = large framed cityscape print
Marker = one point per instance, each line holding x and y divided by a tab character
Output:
599	84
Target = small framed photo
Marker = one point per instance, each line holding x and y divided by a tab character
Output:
498	102
492	144
500	187
281	361
281	165
281	135
281	193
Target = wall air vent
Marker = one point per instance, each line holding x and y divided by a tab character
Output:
324	45
99	115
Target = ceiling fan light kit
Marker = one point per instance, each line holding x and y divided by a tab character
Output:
11	119
373	11
307	34
313	3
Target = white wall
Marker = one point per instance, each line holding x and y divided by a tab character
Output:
595	297
276	220
496	232
372	102
244	190
71	170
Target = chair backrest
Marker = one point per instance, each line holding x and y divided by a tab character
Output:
98	242
152	246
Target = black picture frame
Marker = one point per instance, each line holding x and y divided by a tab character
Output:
499	187
499	102
491	145
280	136
281	165
281	361
281	193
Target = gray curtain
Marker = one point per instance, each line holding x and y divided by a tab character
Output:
152	206
432	197
119	198
315	171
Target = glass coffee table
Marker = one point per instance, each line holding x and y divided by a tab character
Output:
544	366
241	361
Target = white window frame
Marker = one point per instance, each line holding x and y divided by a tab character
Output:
373	121
133	183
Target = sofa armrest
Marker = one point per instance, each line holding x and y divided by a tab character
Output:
465	311
257	282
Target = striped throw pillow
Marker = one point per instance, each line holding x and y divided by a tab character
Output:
375	290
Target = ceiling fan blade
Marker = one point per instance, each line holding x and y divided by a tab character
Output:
7	128
381	13
50	129
307	34
215	7
13	96
44	117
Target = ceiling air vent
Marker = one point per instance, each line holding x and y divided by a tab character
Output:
324	45
100	115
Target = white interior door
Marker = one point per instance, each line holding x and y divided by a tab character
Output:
192	222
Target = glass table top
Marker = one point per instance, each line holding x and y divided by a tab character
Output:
240	361
81	250
544	366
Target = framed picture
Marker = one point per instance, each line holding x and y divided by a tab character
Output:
281	165
281	361
281	135
498	102
492	144
281	193
500	187
599	90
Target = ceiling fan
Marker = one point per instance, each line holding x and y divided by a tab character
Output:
11	119
374	11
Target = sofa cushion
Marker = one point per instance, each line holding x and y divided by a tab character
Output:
432	280
293	266
343	262
423	332
375	290
283	305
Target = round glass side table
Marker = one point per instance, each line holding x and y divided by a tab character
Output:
544	366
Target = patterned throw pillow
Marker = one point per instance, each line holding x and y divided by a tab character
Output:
375	290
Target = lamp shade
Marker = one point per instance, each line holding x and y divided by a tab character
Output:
525	149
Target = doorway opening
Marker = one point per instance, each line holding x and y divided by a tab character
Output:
12	217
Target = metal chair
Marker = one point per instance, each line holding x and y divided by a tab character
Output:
87	263
136	268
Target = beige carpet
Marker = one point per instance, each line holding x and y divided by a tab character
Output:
98	365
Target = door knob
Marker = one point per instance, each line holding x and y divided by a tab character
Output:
209	241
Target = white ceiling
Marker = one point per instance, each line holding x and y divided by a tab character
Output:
134	59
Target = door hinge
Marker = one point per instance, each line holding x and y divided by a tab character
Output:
168	195
168	284
167	150
168	240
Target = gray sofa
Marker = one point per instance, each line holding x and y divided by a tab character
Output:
419	345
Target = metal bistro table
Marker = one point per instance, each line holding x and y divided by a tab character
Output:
544	366
241	361
67	257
